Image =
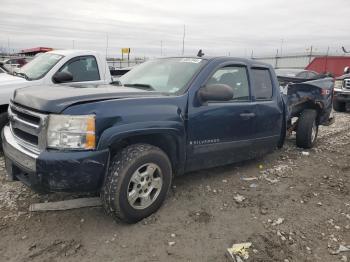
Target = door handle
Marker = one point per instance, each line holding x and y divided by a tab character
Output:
247	116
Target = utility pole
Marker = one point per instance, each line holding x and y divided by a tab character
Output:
8	46
106	54
326	64
183	40
276	60
282	40
161	47
310	55
73	44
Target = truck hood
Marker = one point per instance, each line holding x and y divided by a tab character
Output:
7	79
54	99
343	77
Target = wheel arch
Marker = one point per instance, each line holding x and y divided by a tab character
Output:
167	141
309	104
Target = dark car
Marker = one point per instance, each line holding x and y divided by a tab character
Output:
297	73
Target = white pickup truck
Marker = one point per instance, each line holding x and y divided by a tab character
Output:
54	67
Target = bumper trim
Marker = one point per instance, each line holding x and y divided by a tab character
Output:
17	153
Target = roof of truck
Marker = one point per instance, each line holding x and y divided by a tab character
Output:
226	59
67	52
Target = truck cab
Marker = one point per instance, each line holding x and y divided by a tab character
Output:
54	67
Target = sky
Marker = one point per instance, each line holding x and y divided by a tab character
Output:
155	28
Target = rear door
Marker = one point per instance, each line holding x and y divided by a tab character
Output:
269	109
222	132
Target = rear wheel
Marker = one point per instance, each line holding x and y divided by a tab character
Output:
307	129
137	182
339	106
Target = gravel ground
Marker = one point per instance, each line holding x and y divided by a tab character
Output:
292	205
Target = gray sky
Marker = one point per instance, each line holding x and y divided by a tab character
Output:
234	27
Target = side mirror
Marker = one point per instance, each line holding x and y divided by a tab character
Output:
215	92
62	77
346	70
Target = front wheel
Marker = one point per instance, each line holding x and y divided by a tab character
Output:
307	129
137	182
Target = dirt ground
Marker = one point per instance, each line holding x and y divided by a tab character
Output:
292	205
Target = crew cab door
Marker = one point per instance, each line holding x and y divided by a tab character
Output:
84	69
269	113
222	132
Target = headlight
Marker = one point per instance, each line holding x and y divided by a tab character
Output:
338	84
71	132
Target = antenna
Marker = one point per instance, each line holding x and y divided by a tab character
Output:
183	40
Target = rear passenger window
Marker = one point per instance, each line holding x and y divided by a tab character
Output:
236	78
262	84
82	69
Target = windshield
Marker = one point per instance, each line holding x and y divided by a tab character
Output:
168	75
39	66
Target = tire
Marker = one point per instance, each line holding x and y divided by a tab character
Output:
307	129
339	106
3	121
129	166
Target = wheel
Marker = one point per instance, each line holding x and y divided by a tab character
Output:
307	128
339	106
3	121
137	182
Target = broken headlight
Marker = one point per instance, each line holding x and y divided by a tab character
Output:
71	132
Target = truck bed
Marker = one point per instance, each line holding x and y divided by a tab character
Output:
317	94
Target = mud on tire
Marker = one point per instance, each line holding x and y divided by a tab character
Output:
118	184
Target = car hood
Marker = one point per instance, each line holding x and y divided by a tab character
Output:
7	79
54	99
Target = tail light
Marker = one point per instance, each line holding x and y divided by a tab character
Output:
325	92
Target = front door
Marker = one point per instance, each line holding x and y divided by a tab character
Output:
222	132
84	70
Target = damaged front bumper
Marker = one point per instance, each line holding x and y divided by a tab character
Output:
53	171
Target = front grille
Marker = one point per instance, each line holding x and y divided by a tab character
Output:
31	119
347	83
33	139
28	127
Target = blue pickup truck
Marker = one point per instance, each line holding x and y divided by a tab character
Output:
166	117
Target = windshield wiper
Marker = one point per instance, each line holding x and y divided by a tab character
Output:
22	75
141	86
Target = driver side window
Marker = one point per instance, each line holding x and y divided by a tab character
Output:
236	78
82	69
